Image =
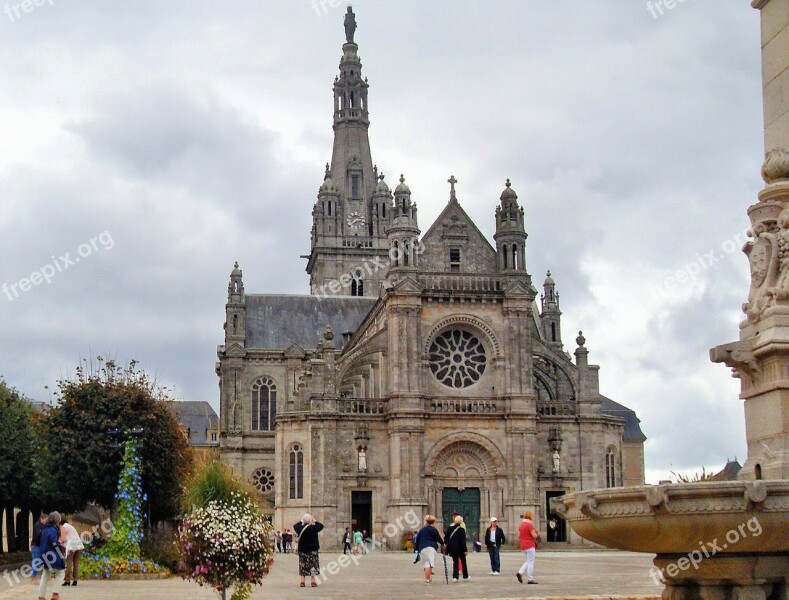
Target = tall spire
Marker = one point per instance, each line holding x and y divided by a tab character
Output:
353	209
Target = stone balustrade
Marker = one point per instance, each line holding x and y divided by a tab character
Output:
460	282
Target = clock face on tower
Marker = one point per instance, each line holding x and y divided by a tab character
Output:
355	220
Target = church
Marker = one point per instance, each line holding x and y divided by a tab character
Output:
423	372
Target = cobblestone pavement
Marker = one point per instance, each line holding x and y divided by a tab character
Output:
386	576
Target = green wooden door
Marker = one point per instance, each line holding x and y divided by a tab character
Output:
466	502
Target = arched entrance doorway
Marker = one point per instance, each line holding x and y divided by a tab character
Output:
463	476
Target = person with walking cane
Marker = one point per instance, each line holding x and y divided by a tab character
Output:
456	548
427	541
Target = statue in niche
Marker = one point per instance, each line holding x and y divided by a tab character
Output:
362	464
557	461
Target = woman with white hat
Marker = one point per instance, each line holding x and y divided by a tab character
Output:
494	538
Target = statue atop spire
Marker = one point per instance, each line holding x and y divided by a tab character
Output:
350	25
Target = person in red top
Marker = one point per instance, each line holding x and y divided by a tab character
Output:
527	534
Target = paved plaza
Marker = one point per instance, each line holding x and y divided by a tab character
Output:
393	575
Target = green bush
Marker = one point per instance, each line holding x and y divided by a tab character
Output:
214	482
161	548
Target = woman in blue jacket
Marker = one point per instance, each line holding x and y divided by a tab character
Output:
52	555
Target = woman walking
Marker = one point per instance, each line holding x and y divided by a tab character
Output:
307	548
528	535
52	554
74	548
427	541
456	548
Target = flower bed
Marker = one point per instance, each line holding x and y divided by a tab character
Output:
98	566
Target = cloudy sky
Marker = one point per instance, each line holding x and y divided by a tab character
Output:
158	142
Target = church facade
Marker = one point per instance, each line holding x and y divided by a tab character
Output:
422	372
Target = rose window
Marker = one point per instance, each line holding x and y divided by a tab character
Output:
263	480
457	358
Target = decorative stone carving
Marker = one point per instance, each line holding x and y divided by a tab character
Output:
776	165
587	504
656	497
755	493
739	357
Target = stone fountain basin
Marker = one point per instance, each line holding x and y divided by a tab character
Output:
683	517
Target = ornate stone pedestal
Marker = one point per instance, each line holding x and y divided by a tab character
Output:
714	540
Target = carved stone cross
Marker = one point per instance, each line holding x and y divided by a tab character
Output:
452	181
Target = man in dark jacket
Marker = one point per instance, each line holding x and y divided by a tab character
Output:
494	538
427	541
346	540
456	548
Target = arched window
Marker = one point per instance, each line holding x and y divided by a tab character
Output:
504	254
357	284
296	473
515	256
264	404
610	467
553	332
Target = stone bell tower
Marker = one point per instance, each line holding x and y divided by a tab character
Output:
349	219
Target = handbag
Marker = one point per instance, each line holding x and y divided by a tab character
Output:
538	541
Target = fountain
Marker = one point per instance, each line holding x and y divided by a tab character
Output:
729	540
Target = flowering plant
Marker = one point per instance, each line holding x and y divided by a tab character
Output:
226	544
127	527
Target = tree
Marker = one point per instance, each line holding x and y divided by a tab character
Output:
86	461
17	454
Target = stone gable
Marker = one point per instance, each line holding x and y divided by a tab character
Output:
454	230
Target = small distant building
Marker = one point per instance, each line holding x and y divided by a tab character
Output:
199	422
729	472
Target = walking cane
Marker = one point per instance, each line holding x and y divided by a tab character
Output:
446	571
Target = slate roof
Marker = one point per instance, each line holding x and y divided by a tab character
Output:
729	472
633	431
196	417
277	322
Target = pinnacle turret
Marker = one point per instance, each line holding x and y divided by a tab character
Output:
510	233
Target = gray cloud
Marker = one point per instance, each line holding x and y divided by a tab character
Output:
196	134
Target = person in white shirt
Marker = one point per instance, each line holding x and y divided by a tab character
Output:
74	548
